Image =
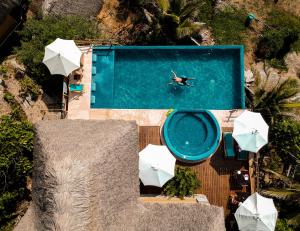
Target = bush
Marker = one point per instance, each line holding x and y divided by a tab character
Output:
37	33
228	26
17	112
3	69
183	184
285	137
282	37
29	87
8	97
16	145
282	225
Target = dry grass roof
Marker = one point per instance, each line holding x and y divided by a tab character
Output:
84	8
85	177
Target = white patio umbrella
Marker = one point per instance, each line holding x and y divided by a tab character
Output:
250	131
62	57
256	213
156	165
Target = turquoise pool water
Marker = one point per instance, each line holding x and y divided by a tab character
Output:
192	135
137	77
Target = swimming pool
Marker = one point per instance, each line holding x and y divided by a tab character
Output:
192	135
137	77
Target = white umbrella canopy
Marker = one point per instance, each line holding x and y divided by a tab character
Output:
256	213
250	131
62	57
156	165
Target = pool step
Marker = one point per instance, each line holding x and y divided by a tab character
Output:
104	78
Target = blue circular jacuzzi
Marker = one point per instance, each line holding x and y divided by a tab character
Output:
192	135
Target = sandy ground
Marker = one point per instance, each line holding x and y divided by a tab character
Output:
34	112
112	23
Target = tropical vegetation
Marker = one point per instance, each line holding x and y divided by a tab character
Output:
39	32
184	183
271	99
16	144
280	35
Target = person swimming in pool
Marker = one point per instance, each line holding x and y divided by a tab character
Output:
181	80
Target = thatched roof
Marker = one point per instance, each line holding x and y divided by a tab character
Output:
85	177
84	8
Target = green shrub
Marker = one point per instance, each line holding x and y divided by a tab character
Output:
8	97
16	145
282	37
37	33
183	184
228	26
3	69
17	112
29	87
285	137
282	225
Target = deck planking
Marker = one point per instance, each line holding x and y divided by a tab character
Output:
213	173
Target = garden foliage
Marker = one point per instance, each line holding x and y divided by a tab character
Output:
281	35
183	184
16	145
37	33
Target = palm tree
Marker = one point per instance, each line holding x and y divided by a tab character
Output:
177	18
275	101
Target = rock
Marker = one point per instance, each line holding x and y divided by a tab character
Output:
292	61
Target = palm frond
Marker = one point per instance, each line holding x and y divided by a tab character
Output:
190	10
187	28
164	5
294	219
177	5
285	179
280	194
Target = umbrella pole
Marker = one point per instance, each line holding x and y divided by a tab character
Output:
257	172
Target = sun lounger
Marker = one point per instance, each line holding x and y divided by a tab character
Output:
228	145
76	88
242	155
93	99
93	86
94	71
94	58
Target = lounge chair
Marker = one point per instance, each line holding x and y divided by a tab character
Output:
93	99
76	88
242	155
94	71
94	58
93	86
228	145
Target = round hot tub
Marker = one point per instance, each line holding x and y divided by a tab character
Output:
192	135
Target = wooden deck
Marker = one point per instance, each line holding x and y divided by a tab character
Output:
214	173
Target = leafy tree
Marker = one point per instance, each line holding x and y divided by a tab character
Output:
285	137
37	33
184	183
16	145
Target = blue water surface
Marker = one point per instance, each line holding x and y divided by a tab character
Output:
138	78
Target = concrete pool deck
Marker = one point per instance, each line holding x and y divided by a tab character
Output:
79	104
